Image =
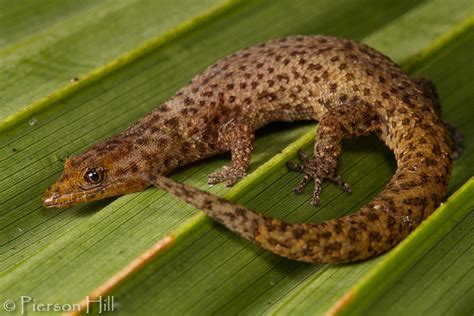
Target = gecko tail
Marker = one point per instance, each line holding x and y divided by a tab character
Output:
236	217
370	231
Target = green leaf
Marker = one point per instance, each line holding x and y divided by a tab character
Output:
45	44
126	66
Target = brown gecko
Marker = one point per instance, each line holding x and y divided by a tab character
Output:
350	88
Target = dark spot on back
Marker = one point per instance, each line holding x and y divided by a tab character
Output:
326	235
375	236
314	67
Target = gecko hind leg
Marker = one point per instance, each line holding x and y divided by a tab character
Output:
238	136
429	89
457	138
342	122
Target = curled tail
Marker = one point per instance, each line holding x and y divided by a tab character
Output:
374	229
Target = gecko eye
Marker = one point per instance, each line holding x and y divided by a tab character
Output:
93	175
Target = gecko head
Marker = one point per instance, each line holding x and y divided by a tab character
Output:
96	174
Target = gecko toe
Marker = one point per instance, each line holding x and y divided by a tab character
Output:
300	187
229	174
315	201
232	181
344	186
292	166
302	156
305	162
313	170
318	183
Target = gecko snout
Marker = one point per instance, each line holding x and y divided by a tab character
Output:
56	196
50	198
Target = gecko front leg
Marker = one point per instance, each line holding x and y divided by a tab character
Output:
344	122
238	136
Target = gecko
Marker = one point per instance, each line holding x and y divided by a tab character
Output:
349	88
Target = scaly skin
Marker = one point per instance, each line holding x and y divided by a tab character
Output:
349	88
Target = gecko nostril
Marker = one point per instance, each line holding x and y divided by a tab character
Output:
49	196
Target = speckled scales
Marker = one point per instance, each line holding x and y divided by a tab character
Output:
349	87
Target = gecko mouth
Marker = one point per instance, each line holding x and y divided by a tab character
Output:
57	197
50	202
53	198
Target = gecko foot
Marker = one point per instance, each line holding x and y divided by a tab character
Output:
313	170
458	140
227	173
